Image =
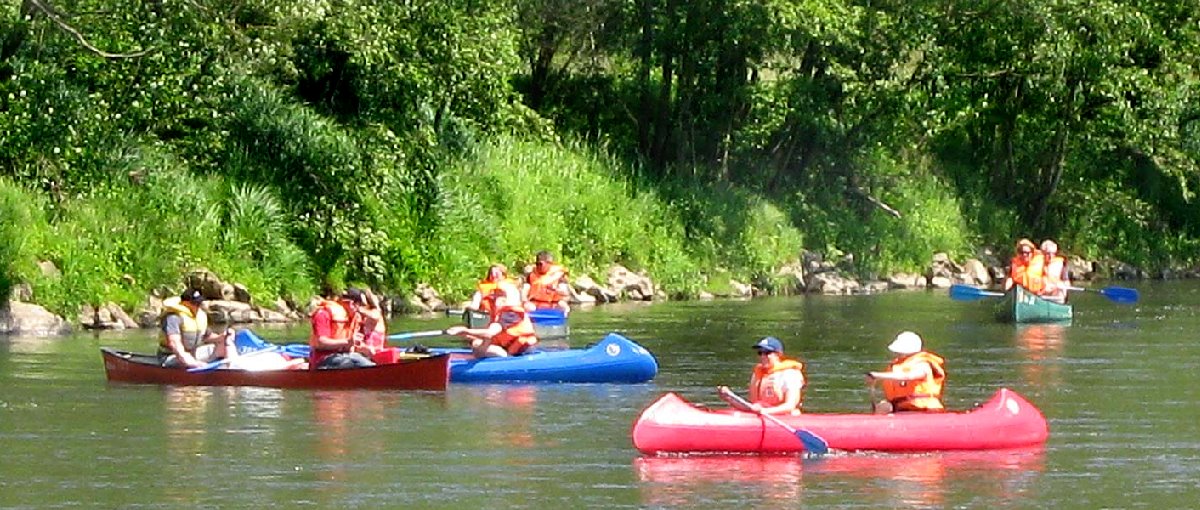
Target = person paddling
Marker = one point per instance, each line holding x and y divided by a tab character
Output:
914	380
1026	268
777	383
509	334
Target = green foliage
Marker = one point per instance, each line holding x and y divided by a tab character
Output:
515	198
21	213
743	234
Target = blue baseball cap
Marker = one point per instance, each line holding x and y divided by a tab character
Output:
769	344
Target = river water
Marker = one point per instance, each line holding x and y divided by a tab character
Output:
1119	387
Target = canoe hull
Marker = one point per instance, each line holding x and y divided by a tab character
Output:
1023	307
615	359
672	425
431	373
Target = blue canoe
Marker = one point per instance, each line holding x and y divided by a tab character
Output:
615	359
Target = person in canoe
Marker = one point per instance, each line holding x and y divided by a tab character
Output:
914	380
494	284
1055	276
372	331
1027	268
777	383
336	333
184	337
546	286
509	334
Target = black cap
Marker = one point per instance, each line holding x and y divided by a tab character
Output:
353	294
192	295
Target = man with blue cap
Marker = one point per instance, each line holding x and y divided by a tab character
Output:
777	384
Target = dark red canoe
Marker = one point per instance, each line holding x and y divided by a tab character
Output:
423	373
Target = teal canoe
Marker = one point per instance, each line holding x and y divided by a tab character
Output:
1023	307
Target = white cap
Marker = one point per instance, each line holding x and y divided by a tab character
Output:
906	343
1049	246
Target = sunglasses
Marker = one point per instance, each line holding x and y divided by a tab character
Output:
1026	252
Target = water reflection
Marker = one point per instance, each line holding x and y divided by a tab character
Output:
917	480
1041	345
512	426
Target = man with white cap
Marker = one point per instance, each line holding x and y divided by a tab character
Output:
777	384
1056	279
914	380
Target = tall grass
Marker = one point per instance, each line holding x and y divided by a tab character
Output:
20	215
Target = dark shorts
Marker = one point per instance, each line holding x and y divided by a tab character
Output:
345	360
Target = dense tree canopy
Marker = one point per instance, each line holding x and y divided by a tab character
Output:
884	129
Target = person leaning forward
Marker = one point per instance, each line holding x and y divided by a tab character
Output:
777	383
184	337
510	332
336	340
914	380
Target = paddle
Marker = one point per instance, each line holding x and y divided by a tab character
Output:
960	292
1116	294
812	442
417	334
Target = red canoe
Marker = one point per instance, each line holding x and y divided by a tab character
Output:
673	425
425	373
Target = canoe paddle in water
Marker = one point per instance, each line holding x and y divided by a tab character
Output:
1116	294
812	442
960	292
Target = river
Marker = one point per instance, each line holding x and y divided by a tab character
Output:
1118	386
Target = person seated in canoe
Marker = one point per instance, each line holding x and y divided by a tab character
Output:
546	286
1055	277
913	381
493	285
373	327
509	334
184	338
1027	268
336	333
777	383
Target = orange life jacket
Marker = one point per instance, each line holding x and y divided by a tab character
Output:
517	335
343	324
1031	275
543	287
491	290
924	395
768	386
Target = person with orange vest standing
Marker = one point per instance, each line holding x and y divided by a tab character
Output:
1027	268
1056	280
336	336
777	383
546	286
914	380
509	334
495	284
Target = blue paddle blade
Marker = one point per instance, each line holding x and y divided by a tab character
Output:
1120	294
960	292
812	443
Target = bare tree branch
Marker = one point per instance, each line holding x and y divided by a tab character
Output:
57	19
